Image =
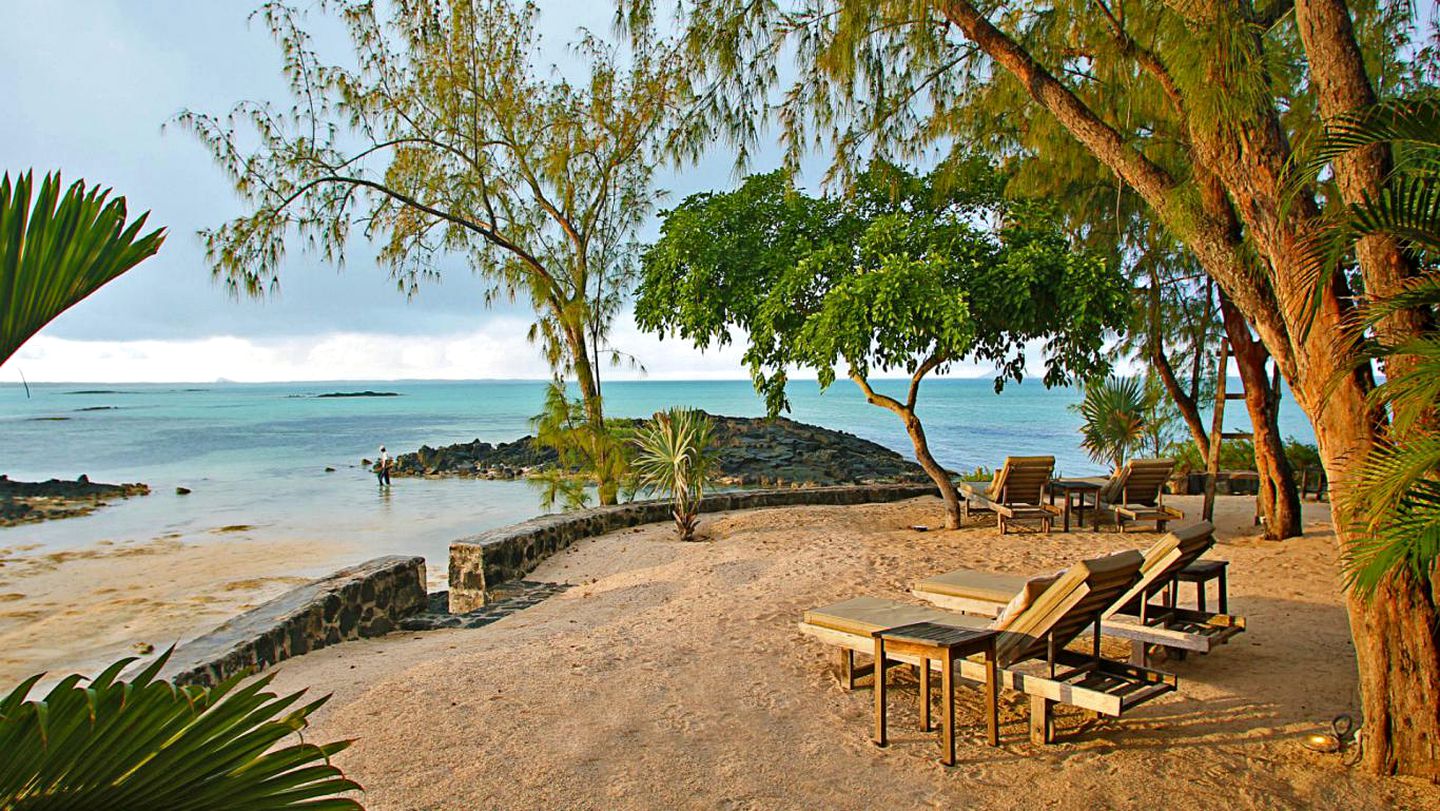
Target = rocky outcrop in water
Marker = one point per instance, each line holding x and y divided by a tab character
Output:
748	452
26	502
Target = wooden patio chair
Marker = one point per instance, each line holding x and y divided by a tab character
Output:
1137	493
1016	493
1135	615
1030	650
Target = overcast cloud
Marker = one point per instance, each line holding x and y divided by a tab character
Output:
87	86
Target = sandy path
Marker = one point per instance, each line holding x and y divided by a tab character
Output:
673	676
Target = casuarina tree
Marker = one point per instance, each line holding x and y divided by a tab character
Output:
439	136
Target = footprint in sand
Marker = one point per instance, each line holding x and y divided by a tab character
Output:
11	597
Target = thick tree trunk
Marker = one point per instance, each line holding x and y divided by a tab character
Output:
1397	634
1342	86
1279	497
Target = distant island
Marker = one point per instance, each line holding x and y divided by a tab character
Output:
360	394
748	451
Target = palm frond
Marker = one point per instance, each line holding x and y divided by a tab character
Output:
674	459
60	250
143	742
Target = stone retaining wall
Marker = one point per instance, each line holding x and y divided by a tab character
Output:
368	599
484	561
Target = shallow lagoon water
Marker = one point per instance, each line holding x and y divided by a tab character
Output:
254	455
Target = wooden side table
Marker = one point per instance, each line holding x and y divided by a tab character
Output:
1201	572
946	644
1074	492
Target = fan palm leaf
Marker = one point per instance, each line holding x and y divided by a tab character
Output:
145	743
60	250
1113	411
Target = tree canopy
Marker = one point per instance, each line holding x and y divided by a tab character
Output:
907	272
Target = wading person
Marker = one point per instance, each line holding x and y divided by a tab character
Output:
382	467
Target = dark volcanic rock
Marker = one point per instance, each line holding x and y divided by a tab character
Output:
748	452
24	502
366	393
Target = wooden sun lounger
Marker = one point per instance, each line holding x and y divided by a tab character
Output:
1132	616
1137	493
1030	649
1016	493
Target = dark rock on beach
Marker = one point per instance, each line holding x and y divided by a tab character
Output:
27	502
748	451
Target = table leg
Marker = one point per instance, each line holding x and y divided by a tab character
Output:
1067	510
879	681
924	694
947	681
1224	594
992	690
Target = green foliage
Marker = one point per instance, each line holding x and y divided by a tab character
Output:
440	136
979	474
674	459
584	456
893	276
59	250
1301	455
1114	410
145	743
1235	454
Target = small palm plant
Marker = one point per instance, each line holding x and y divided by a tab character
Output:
1114	412
674	459
146	743
59	251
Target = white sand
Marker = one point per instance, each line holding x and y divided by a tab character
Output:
673	676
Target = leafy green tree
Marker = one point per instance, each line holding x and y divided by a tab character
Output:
894	276
142	742
438	137
59	249
673	458
1195	108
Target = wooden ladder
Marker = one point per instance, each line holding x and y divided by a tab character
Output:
1218	434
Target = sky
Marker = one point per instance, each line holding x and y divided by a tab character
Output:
88	85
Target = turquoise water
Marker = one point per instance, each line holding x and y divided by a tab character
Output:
255	454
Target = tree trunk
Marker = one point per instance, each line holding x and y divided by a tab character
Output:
1279	497
937	473
606	483
1397	633
1342	86
1184	402
906	412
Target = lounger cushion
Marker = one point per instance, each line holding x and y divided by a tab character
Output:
863	616
1025	597
990	587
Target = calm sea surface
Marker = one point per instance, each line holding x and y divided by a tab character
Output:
255	454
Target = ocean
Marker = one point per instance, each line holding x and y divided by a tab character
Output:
254	455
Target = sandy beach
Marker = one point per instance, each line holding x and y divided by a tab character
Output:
673	676
77	610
